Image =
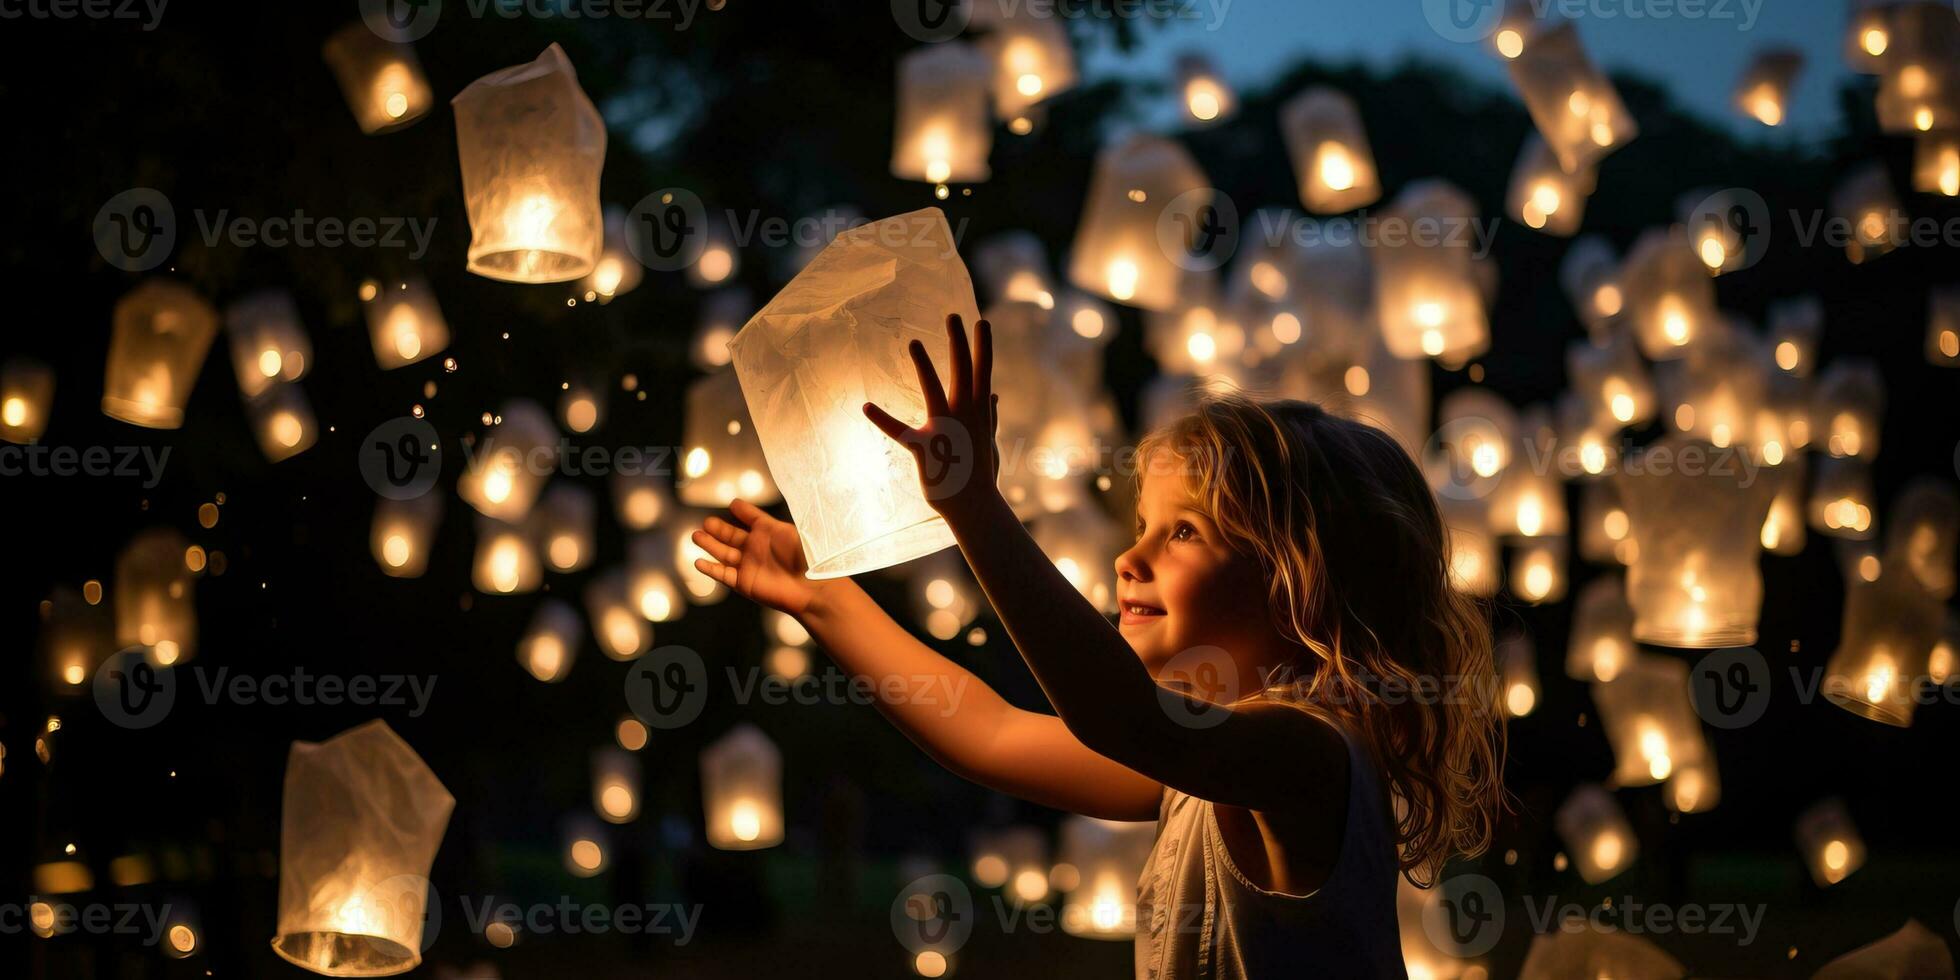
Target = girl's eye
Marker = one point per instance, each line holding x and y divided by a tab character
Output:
1183	532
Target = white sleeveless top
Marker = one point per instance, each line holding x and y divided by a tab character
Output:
1200	918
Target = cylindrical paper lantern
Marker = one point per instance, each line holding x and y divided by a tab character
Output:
381	79
550	643
506	559
1083	543
1670	300
1795	326
1763	92
943	132
640	498
1864	200
76	636
404	323
1649	717
1605	533
1543	195
402	533
1517	666
1117	252
1601	644
1695	787
1378	388
1829	842
563	520
1590	276
616	622
1538	571
162	332
1943	327
282	419
1841	500
1031	60
1918	75
363	817
1014	859
1890	628
1478	435
1528	502
652	584
1611	378
1203	95
1044	425
833	339
26	396
1596	952
1197	335
617	271
1574	106
1332	160
1936	163
1474	564
532	146
1426	289
1923	534
742	790
1013	267
1858	561
507	467
1783	527
721	459
615	784
1719	392
1598	839
1104	859
154	596
268	344
1696	581
588	849
1850	402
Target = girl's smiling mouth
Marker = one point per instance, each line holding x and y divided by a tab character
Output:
1138	613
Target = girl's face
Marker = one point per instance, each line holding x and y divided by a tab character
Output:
1181	586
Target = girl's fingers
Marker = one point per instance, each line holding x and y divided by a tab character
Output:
900	432
725	532
721	552
929	380
747	513
962	366
715	570
983	369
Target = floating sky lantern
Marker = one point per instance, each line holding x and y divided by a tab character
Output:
615	784
1890	627
722	314
404	323
550	643
1598	839
1032	61
1763	92
1118	253
508	466
1083	543
1719	392
1868	35
1829	842
640	498
742	790
1427	293
1203	95
1562	954
268	344
1528	501
402	533
721	458
506	559
1695	787
363	817
622	633
532	146
1913	951
1611	379
76	636
1605	532
1517	667
1918	73
944	595
1044	422
1858	561
719	259
1332	160
677	542
162	331
26	397
1943	327
1197	334
652	583
1543	195
1013	859
154	596
1538	571
588	848
1650	719
1266	293
1423	956
282	419
1013	267
1474	564
581	406
618	271
1517	26
1936	163
563	521
1795	326
382	79
1696	581
943	132
832	340
1842	501
1864	201
1923	533
1380	389
1850	401
1669	299
1590	276
1574	106
1479	436
1106	857
1783	526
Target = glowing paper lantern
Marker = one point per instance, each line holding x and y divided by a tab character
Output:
1014	859
721	459
1850	401
1538	571
833	339
26	396
1083	543
1203	95
506	559
1590	276
1943	328
640	498
616	622
944	596
1574	106
1423	958
1542	195
268	345
1918	74
1829	842
1106	858
742	789
381	79
1923	534
1890	628
1593	952
363	817
76	636
1332	160
1044	425
581	407
1719	392
588	852
1913	951
1763	92
1117	252
1517	666
1864	200
402	532
550	643
1582	439
1427	292
943	132
1517	27
154	596
1605	533
532	146
1670	300
1380	389
719	259
1596	833
1783	526
615	784
1474	564
1031	60
404	323
1842	501
1648	716
1262	293
1936	163
1196	335
563	520
282	419
1528	502
162	332
508	466
722	314
1611	378
617	271
1696	581
652	583
677	545
1868	35
1795	326
1013	267
1477	433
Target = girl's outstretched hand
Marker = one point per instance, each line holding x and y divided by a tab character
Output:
958	459
758	556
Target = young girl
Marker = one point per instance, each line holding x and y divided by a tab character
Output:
1281	552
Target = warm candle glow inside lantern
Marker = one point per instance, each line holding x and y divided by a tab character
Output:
1574	106
1830	842
1598	839
1605	533
153	593
1426	286
1590	276
1601	644
615	785
1118	253
532	146
563	524
1795	325
1517	665
401	533
618	271
1763	91
506	559
652	584
833	339
943	132
1528	503
1538	571
1670	300
1014	859
1936	163
1921	534
1032	61
1542	195
1891	625
1474	564
1107	857
1204	96
721	459
587	850
268	344
722	313
162	332
1850	401
1864	199
1841	500
640	498
1651	721
1783	526
742	790
26	395
404	323
363	817
622	633
1332	159
550	643
1720	391
1943	327
381	79
507	468
75	637
1013	267
1696	581
1611	379
282	419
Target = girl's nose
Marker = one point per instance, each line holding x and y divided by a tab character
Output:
1130	566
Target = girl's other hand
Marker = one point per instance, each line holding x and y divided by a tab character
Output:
958	460
759	556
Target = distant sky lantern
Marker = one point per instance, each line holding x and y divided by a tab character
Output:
1332	160
1044	411
532	146
622	633
641	498
1543	195
1517	26
581	406
1605	533
282	419
1720	390
1012	859
1538	570
26	397
1864	200
563	520
1333	286
1850	402
587	846
1479	436
1943	327
1598	839
1427	293
742	790
944	595
1795	326
1696	581
1203	96
1943	665
1842	503
1783	526
1670	300
1573	104
1918	74
1763	92
1596	952
162	331
154	597
1083	543
75	637
617	272
1197	335
1923	533
822	348
1118	252
507	467
363	817
381	79
1517	667
1890	628
722	314
1012	266
550	643
1695	787
1936	163
404	323
1266	292
1590	276
615	784
1914	950
1612	379
1528	501
1868	35
720	259
720	456
403	532
652	584
943	132
1378	388
1031	61
1106	858
506	559
1829	842
1647	713
1474	564
268	344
